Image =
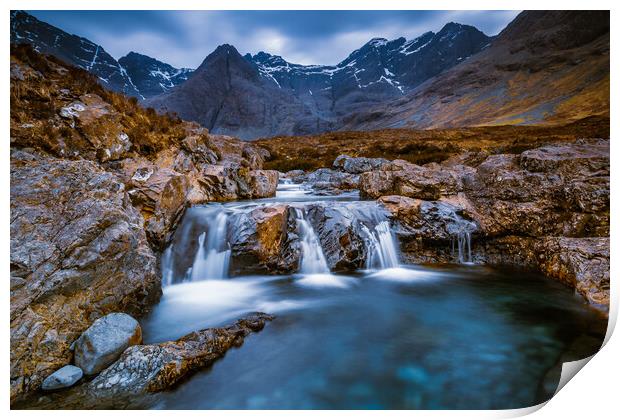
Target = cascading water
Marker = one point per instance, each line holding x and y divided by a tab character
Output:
213	256
166	267
312	257
381	246
463	245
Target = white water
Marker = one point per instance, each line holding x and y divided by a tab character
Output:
200	250
213	257
381	246
312	257
463	244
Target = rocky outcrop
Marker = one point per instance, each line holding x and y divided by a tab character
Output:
146	369
78	252
428	182
547	208
102	343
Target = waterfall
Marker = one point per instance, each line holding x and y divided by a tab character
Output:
463	245
213	256
380	246
312	257
166	267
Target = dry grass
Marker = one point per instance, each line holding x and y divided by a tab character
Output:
421	146
37	101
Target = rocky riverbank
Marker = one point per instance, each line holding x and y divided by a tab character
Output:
92	206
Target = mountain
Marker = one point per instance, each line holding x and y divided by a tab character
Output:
228	95
320	97
545	67
150	76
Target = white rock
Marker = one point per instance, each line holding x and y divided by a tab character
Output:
64	377
104	341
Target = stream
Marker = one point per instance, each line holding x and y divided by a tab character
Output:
387	336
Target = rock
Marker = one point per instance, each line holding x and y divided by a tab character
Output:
325	179
358	165
339	234
428	230
426	183
581	262
263	183
64	377
79	251
102	343
146	369
264	240
377	183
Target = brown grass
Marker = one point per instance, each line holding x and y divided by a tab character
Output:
421	146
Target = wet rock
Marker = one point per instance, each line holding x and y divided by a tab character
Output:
102	343
339	233
146	369
80	252
264	240
581	262
358	165
428	220
64	377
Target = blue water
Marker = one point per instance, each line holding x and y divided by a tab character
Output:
452	337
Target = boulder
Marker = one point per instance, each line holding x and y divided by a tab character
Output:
264	240
64	377
429	220
358	165
102	343
263	183
329	180
78	252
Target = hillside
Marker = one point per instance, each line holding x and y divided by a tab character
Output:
546	67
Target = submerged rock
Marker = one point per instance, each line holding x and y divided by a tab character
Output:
64	377
102	343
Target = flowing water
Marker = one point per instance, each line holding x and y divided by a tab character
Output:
389	336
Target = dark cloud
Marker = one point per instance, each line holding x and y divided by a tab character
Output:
184	38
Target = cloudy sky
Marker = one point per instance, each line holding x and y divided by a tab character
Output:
184	38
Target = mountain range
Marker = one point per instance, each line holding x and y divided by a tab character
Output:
544	67
134	74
